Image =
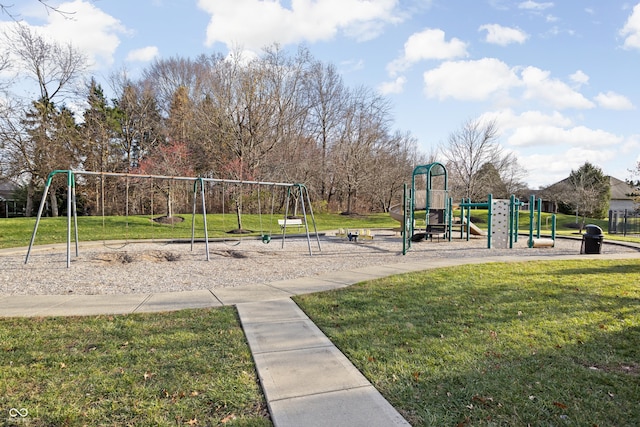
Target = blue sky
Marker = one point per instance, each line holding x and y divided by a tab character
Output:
559	77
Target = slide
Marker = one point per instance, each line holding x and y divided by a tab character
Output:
396	210
396	213
474	229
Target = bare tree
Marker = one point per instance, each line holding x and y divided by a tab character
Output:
44	145
365	127
139	122
54	67
326	91
587	192
393	165
474	147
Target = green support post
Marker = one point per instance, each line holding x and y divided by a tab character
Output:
532	202
489	215
539	222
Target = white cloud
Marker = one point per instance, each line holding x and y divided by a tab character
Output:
144	54
91	31
631	30
256	23
470	80
490	78
554	92
532	5
550	145
632	148
614	101
507	120
548	168
503	36
579	78
393	87
429	43
553	136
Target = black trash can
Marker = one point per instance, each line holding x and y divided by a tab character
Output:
592	240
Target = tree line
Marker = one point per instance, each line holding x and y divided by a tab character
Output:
280	116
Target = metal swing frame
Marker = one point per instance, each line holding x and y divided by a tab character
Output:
198	184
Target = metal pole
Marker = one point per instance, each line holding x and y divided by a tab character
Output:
69	219
532	202
304	215
518	204
512	202
193	213
404	220
450	216
204	218
489	217
75	211
40	209
539	222
469	220
286	214
313	218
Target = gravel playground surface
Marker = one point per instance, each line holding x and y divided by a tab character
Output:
168	267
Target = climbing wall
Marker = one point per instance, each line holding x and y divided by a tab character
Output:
500	224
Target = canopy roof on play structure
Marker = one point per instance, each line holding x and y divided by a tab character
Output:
432	169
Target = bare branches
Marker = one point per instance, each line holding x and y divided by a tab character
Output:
478	164
6	10
53	66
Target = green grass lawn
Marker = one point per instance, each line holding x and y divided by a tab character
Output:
543	343
16	232
540	343
191	367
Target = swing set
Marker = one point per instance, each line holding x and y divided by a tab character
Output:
297	192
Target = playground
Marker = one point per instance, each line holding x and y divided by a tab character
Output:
161	267
128	276
428	232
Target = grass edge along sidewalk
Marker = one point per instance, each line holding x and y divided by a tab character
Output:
188	367
532	343
541	342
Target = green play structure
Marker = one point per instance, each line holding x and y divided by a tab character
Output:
427	211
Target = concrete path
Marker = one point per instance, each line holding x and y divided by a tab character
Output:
306	380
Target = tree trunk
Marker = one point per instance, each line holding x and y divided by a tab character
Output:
239	214
54	203
29	207
169	204
349	201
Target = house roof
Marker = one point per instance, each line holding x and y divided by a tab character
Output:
7	188
621	190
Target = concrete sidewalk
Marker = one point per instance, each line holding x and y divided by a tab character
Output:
306	380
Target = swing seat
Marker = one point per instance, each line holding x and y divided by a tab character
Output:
266	238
